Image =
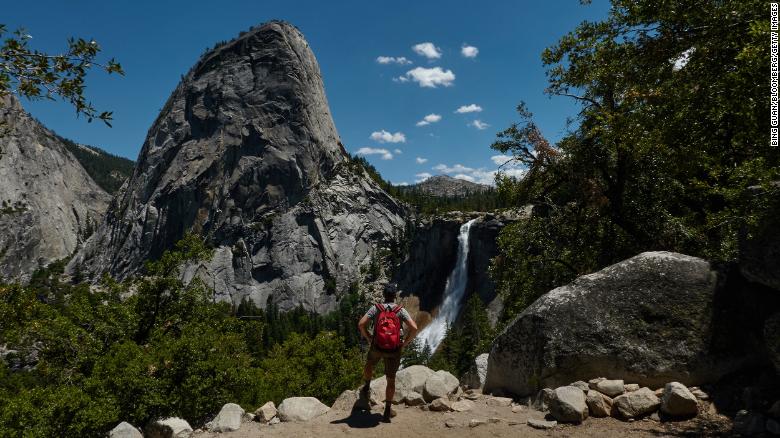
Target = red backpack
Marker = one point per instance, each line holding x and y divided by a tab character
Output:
387	328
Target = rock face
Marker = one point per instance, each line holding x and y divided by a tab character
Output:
475	376
649	319
301	409
447	187
124	430
245	152
48	202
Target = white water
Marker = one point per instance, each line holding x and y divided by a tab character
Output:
434	332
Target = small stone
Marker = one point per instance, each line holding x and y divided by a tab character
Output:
171	427
659	392
599	404
518	408
541	424
631	387
568	405
499	401
413	398
494	420
701	395
636	404
543	398
451	423
475	423
580	384
248	416
610	388
654	416
678	401
124	430
463	406
274	420
440	405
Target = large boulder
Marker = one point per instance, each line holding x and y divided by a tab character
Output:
568	405
172	427
266	413
649	319
124	430
637	403
475	376
439	385
301	409
346	401
678	401
228	419
412	378
599	404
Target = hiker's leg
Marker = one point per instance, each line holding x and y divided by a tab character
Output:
391	368
390	392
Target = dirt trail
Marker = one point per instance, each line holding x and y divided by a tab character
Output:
415	422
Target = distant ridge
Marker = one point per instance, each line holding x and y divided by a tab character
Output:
447	187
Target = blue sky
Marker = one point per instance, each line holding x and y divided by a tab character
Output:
157	42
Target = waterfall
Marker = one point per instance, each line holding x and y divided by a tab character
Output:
434	332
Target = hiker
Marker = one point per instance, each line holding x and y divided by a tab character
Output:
387	343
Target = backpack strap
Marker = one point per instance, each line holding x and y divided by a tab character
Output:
398	308
379	307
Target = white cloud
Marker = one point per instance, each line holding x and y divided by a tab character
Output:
421	160
469	51
401	60
473	108
463	176
386	137
429	77
501	159
479	124
430	118
386	155
398	151
427	50
401	79
458	168
422	177
682	60
402	183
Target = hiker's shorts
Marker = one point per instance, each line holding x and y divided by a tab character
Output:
392	360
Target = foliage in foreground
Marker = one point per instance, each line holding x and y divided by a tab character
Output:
673	131
86	360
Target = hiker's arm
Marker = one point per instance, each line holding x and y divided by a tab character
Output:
412	331
362	326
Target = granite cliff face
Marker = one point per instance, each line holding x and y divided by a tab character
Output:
447	187
48	202
245	152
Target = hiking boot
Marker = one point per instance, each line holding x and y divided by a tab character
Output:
364	401
389	413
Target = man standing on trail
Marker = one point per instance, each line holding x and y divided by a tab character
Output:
387	343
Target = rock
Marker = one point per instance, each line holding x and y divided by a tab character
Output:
440	405
463	406
172	427
773	426
610	388
543	398
378	390
475	377
124	430
245	152
659	392
451	423
413	378
772	339
541	424
439	384
630	387
517	409
274	420
48	201
580	384
499	401
413	398
678	401
475	423
568	405
593	382
654	417
301	409
648	319
749	423
599	404
637	403
228	419
345	401
701	395
494	420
